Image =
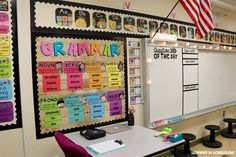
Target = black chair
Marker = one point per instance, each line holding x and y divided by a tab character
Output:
212	143
187	152
229	133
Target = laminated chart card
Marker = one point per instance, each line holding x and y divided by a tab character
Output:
8	88
80	82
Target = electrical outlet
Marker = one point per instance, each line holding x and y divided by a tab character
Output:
224	114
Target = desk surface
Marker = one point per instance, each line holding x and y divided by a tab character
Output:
140	142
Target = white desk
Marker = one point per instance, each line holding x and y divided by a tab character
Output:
140	142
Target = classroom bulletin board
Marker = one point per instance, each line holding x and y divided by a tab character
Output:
80	82
9	82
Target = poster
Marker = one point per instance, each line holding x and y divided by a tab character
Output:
81	82
8	69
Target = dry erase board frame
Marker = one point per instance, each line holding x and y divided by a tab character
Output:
35	82
72	7
14	52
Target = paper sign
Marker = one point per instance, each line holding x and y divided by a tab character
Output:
4	45
6	112
51	83
82	18
73	67
73	120
4	23
93	67
5	89
115	113
48	67
95	75
75	81
3	5
96	80
95	108
114	74
93	98
115	103
114	84
53	124
96	86
113	67
52	118
73	100
114	95
64	17
116	108
5	67
74	110
115	79
51	103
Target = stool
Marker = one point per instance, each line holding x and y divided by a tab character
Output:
187	152
229	133
212	143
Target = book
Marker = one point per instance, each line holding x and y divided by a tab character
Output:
106	146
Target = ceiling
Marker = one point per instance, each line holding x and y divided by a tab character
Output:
226	4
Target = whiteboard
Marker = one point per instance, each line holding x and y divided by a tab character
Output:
193	83
165	78
217	78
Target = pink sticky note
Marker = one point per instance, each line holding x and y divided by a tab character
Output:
71	66
4	23
48	67
75	81
51	83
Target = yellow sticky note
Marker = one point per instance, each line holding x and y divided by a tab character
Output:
115	74
4	45
114	79
114	84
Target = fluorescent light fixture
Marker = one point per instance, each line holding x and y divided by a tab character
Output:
165	37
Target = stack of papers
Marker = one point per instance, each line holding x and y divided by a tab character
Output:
105	147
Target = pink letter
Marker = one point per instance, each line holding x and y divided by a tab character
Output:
83	47
72	49
46	48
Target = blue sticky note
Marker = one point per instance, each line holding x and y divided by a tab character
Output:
97	116
73	120
93	98
5	89
73	110
72	100
97	107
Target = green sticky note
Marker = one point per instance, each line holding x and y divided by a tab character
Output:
52	118
5	67
52	112
53	124
50	103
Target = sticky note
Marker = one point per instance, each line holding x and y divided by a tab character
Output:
93	98
97	116
48	67
73	120
115	113
114	79
6	112
5	89
75	81
5	67
95	75
114	95
95	80
96	85
113	67
73	67
50	103
51	83
53	124
4	23
114	74
74	100
73	110
97	108
93	67
4	45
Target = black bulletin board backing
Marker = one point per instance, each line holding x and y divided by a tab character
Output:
16	70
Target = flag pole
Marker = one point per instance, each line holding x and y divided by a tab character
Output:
165	19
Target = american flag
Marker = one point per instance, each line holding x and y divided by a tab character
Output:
201	14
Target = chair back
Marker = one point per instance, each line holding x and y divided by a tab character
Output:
69	148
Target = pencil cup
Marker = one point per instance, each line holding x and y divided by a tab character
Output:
131	119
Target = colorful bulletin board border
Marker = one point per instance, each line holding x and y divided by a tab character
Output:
10	108
74	17
58	94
